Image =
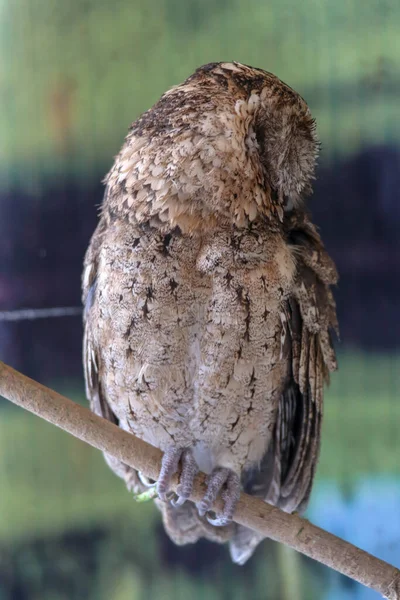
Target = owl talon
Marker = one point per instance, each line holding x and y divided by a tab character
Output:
219	521
178	501
169	467
221	478
146	481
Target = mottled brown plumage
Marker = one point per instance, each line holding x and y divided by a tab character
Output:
207	294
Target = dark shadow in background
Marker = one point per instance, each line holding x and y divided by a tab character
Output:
357	206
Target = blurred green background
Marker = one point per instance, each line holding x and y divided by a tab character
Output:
73	76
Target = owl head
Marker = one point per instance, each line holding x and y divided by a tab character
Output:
230	144
280	120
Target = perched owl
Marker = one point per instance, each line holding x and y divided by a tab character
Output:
208	307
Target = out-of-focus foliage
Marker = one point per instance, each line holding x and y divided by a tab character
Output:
75	74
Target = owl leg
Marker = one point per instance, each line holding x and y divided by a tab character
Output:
228	481
169	467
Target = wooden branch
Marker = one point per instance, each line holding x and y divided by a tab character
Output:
252	512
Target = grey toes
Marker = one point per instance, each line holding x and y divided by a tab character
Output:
188	473
228	481
215	481
169	467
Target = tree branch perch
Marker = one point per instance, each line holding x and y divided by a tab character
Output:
252	512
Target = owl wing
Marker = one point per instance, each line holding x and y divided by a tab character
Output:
98	404
311	316
91	363
295	449
285	475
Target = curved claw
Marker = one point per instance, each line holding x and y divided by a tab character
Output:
178	501
182	494
165	495
219	521
146	480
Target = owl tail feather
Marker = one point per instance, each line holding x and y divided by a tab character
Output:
184	525
243	543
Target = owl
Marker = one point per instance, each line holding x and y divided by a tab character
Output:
208	305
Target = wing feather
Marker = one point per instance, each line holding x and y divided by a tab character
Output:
286	473
91	361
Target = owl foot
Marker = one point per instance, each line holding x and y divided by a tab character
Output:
169	467
221	479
